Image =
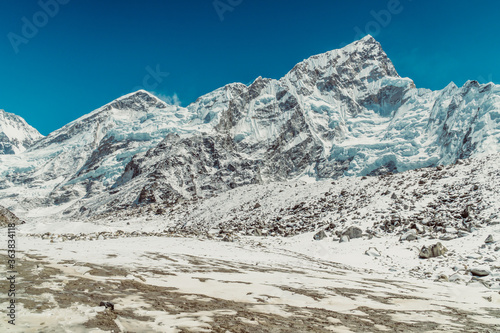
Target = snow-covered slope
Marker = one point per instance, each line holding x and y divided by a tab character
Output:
86	156
15	134
346	112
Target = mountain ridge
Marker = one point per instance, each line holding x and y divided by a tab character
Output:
345	112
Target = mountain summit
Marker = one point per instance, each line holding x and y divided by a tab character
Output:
345	112
15	134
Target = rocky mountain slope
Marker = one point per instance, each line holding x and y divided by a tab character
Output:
6	217
385	221
15	134
443	202
346	112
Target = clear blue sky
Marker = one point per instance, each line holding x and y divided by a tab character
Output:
88	52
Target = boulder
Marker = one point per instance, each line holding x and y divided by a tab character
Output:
489	239
432	251
320	235
479	272
353	232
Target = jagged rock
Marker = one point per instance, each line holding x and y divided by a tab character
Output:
320	235
479	272
353	232
489	239
373	252
432	251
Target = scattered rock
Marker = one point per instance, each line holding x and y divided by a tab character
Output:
108	305
479	272
409	236
467	212
257	205
320	235
447	237
353	232
435	250
373	252
489	239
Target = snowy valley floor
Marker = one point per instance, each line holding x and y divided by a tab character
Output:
256	284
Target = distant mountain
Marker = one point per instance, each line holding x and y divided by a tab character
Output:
15	134
342	113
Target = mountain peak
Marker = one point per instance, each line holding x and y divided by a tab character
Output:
368	38
15	134
138	100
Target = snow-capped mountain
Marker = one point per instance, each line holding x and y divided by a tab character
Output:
86	156
15	134
344	112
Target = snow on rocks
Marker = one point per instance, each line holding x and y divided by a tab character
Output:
432	251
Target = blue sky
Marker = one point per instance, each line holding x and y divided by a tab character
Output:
81	54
